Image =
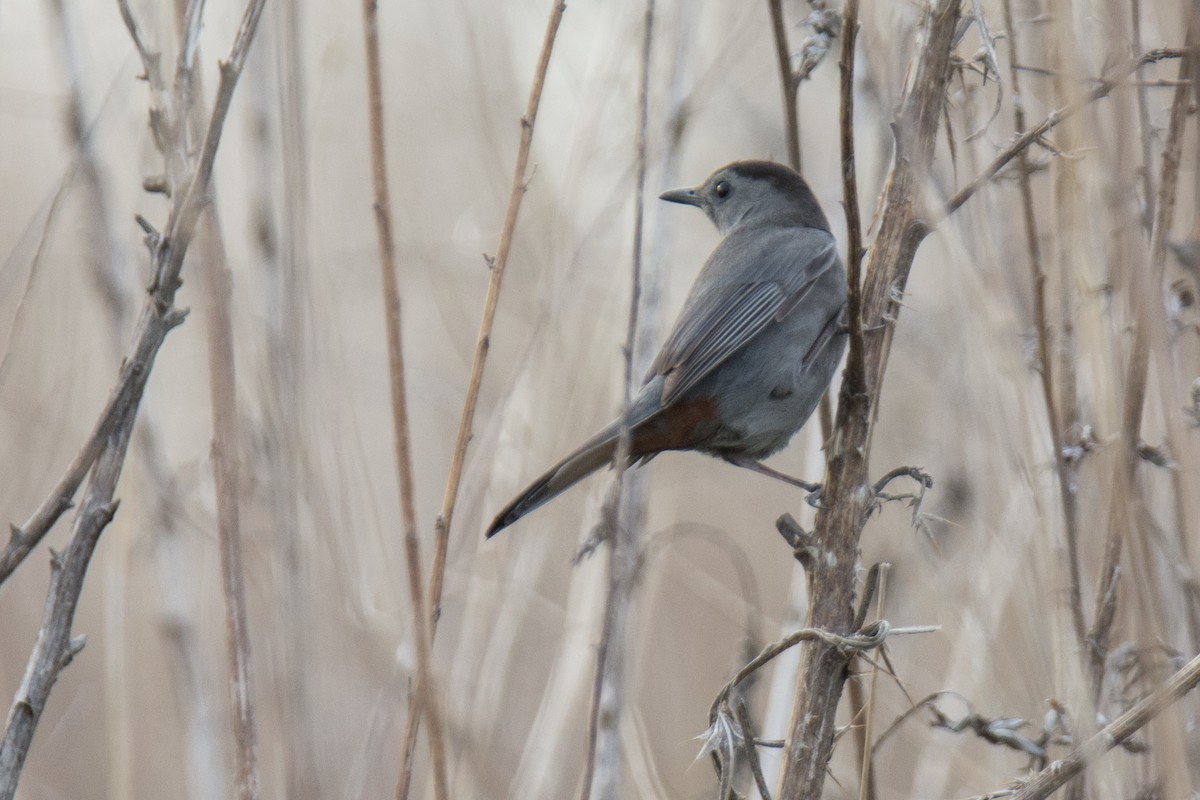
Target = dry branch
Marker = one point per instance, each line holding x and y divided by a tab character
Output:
226	475
1115	733
1063	468
846	492
55	647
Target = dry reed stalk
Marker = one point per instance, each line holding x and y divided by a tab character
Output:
426	691
1063	469
1115	733
1147	313
482	344
226	468
497	265
280	222
187	123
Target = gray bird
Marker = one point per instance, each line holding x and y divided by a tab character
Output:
755	345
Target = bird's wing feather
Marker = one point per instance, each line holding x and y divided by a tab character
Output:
720	319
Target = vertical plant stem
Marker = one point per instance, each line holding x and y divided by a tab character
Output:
446	515
603	765
854	363
55	647
1147	311
466	423
832	568
787	82
226	474
426	694
866	783
1063	470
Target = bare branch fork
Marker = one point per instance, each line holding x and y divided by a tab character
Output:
104	453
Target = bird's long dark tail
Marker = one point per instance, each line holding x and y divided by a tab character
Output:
594	454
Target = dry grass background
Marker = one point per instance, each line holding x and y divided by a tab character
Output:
142	712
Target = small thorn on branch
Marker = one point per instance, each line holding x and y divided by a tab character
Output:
174	317
74	646
156	184
797	538
1158	456
152	239
916	473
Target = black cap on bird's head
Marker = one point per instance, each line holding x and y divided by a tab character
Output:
754	193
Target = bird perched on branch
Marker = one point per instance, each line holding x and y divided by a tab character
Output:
754	347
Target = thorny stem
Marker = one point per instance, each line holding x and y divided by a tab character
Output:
839	524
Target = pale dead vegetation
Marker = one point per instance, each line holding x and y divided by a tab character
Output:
1019	671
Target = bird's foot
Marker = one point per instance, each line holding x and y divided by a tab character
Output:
813	489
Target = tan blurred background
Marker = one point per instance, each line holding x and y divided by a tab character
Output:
142	712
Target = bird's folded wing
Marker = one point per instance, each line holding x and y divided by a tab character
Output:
724	320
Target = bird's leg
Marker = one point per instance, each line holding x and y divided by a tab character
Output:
763	469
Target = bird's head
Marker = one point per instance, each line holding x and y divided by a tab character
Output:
754	193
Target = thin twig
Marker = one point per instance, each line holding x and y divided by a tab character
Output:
426	693
446	515
55	647
867	790
1115	733
463	438
787	82
748	742
868	638
1106	85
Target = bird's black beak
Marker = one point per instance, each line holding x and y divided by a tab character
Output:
686	196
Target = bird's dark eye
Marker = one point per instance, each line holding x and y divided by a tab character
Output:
723	188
